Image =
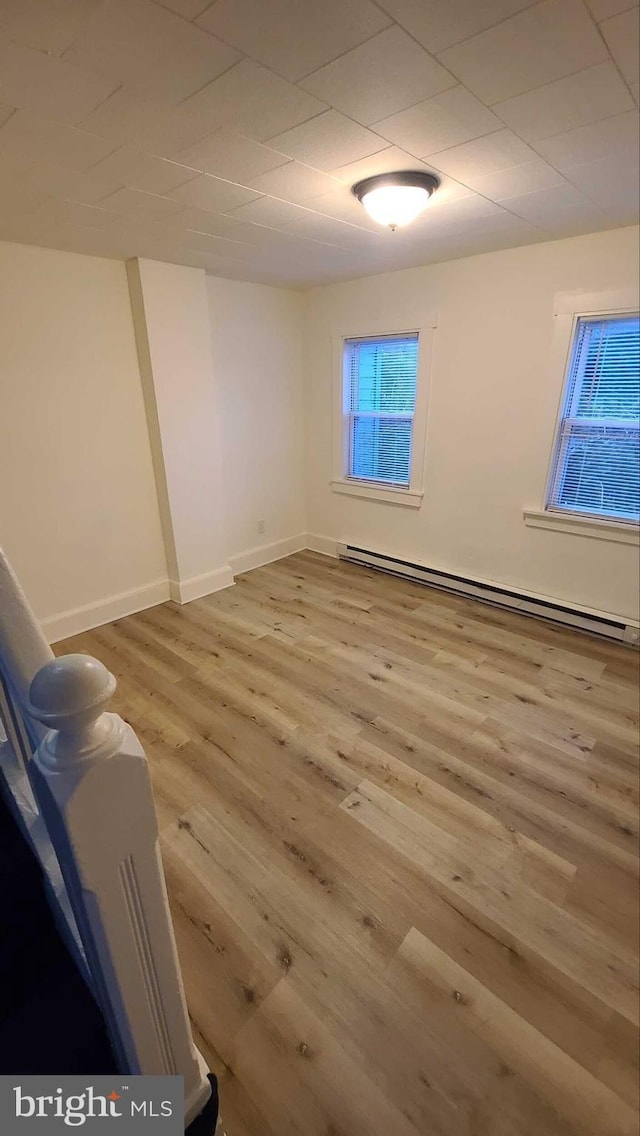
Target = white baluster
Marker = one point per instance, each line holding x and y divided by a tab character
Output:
91	779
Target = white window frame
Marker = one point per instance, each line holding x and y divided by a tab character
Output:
341	482
569	308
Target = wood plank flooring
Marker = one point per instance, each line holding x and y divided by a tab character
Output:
400	837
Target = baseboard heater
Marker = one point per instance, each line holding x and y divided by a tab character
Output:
492	594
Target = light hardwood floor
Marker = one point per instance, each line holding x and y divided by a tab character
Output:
400	837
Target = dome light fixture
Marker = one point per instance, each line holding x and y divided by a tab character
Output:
396	199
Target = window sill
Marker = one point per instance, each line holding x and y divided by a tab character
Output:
378	493
582	526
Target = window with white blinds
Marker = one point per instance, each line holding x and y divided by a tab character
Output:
597	461
379	396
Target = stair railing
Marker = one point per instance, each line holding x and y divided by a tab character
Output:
23	651
91	797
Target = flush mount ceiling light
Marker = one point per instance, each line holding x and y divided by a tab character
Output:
396	199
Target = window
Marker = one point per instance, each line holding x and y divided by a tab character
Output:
379	397
596	468
381	374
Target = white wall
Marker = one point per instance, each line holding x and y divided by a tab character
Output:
78	506
169	303
257	362
493	402
79	514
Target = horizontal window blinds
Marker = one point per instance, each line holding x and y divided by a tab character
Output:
380	377
597	466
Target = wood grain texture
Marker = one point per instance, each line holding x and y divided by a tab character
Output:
400	836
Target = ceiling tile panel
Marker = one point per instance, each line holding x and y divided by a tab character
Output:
595	93
269	211
543	43
202	221
213	194
33	80
576	219
613	183
45	25
137	42
437	24
539	205
391	158
483	156
61	212
328	141
55	180
603	9
449	119
581	217
331	231
16	197
170	132
91	241
294	38
527	178
589	143
622	34
23	228
344	206
143	171
232	156
379	78
457	212
137	226
26	139
272	242
233	268
454	221
500	230
164	242
157	175
219	246
558	210
251	100
295	182
187	8
124	116
148	206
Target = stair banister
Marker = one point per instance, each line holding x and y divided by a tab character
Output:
92	783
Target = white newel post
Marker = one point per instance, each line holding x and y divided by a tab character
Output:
92	783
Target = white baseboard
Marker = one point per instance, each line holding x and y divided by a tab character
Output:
182	591
79	619
267	553
326	544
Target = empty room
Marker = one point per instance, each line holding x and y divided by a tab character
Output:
319	566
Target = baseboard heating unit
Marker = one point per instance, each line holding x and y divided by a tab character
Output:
609	628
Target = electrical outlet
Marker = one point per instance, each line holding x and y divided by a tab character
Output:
632	635
261	528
